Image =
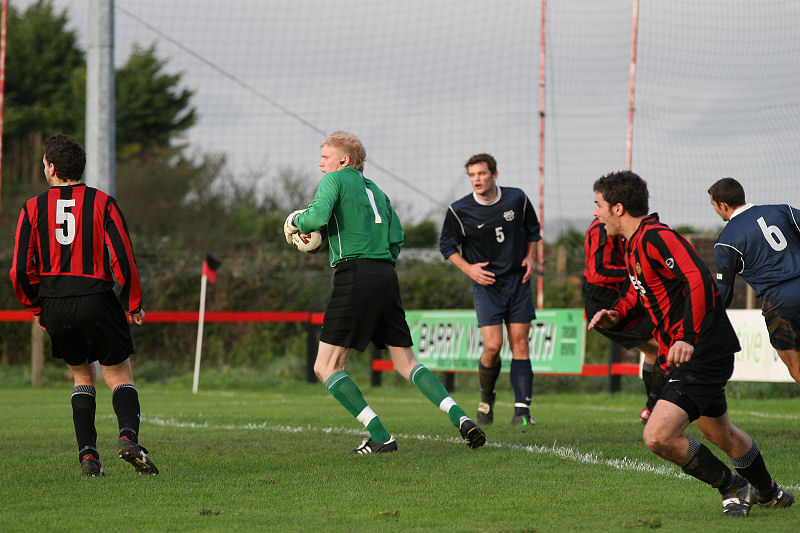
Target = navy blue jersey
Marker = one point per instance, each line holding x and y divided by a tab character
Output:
498	233
762	244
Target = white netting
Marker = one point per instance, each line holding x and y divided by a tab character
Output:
425	84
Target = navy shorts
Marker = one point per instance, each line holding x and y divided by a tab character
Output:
781	310
365	306
88	328
507	300
698	387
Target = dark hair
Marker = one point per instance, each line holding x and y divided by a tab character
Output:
626	188
482	158
729	191
67	155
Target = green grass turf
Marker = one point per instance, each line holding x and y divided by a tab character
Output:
276	460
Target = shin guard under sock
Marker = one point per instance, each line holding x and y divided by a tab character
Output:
522	383
347	393
751	466
125	400
427	382
488	378
84	406
706	467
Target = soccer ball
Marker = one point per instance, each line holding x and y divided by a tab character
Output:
311	243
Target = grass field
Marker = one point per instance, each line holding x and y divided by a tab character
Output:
276	460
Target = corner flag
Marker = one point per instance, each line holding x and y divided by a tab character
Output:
210	266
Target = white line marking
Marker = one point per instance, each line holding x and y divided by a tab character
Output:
564	452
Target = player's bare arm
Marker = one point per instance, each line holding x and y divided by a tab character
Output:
679	353
604	318
475	271
529	262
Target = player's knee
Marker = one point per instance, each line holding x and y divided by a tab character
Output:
322	371
520	350
491	350
657	442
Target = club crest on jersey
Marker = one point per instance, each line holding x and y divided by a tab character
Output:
670	263
509	215
638	267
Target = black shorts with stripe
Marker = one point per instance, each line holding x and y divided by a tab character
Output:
92	327
365	306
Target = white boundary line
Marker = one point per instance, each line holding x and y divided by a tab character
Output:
563	452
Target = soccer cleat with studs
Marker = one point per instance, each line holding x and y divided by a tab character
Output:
471	433
779	498
738	498
370	446
485	413
90	466
137	456
523	420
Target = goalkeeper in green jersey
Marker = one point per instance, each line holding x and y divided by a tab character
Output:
364	240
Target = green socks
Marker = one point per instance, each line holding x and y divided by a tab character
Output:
432	388
348	394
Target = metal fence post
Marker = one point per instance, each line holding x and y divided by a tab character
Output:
614	356
375	378
37	355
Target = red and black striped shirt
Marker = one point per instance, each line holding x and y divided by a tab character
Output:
70	241
675	286
605	258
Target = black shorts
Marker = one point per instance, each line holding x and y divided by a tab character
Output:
698	387
365	306
88	328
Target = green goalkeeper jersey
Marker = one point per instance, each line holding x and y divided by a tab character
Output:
360	219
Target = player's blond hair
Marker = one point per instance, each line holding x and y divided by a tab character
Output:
348	144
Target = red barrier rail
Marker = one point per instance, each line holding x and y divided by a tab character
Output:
617	369
192	316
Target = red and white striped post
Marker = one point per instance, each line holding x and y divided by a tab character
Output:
634	41
3	33
540	244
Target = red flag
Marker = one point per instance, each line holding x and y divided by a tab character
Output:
210	266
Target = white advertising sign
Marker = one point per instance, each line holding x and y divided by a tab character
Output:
758	360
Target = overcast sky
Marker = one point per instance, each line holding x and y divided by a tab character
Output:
427	83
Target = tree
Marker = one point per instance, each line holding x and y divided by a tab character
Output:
151	110
42	63
46	94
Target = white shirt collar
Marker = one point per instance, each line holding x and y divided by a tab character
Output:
741	209
484	202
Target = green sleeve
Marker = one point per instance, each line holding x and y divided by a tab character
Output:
320	209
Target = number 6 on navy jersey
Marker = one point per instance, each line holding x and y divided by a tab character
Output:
773	234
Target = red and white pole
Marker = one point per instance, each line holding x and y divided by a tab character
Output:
540	247
3	33
634	40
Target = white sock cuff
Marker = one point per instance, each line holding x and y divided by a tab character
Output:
447	404
366	415
414	371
